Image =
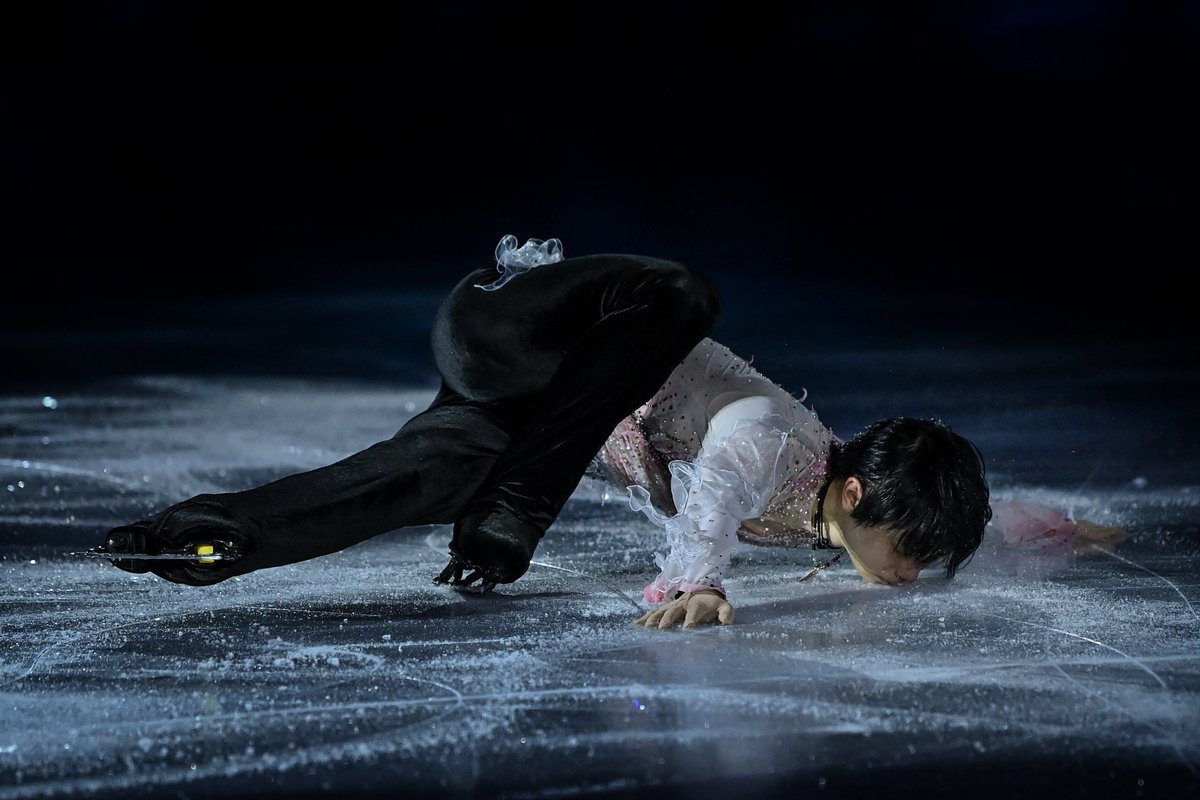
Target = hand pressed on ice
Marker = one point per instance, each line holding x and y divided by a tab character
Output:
691	608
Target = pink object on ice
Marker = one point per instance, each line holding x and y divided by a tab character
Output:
1033	526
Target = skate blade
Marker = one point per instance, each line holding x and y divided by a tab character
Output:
204	554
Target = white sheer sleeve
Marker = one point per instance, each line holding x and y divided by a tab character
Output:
732	479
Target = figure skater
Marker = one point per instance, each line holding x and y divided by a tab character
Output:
600	365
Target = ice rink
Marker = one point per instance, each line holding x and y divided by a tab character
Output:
1027	675
226	230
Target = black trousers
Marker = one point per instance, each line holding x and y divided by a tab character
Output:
535	376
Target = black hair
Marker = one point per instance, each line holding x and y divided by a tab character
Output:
920	478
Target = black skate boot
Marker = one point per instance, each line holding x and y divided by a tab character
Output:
195	542
491	546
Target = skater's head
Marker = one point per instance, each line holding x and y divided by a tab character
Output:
902	495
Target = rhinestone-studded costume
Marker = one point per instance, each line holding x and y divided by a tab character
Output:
719	453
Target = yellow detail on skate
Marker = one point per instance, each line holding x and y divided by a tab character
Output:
205	550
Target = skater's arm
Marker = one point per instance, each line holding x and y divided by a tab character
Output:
1037	526
732	478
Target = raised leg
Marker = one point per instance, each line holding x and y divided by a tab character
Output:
423	475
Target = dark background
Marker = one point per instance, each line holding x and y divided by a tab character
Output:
1038	155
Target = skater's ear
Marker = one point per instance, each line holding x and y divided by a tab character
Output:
851	494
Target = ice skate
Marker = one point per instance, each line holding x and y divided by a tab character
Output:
126	547
492	546
193	542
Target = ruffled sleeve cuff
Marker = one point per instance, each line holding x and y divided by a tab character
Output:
660	591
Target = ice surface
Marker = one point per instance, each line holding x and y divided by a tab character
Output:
354	673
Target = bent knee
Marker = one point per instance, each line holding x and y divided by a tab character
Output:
690	297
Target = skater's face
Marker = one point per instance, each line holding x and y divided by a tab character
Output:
873	552
872	549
